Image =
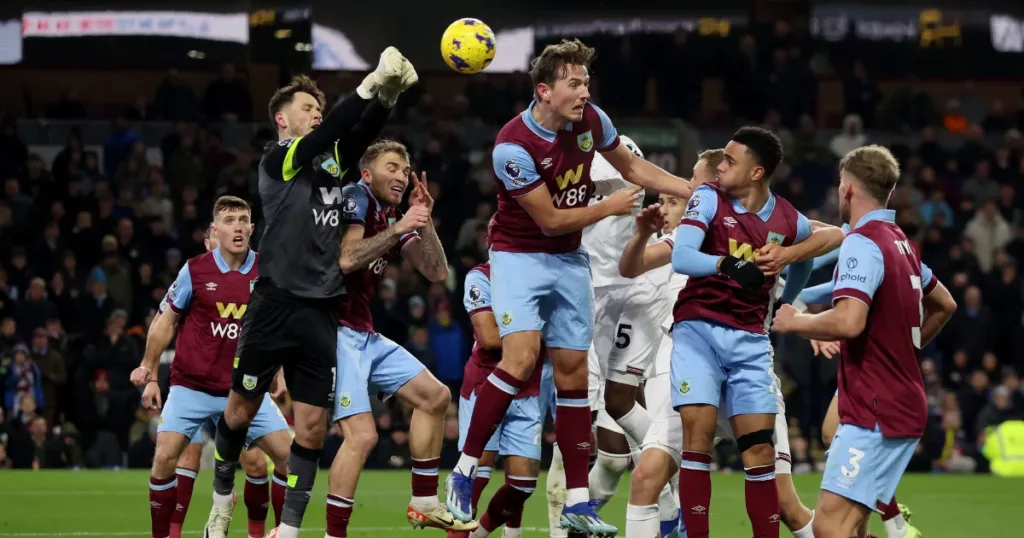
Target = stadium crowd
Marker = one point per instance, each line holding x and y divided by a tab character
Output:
89	244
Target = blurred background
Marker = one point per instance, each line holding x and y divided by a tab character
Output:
121	122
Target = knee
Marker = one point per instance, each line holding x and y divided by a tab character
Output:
619	399
519	362
254	463
643	485
311	427
757	448
165	460
822	528
362	441
239	416
438	402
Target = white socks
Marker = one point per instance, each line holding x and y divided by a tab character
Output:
668	504
223	501
605	476
284	531
807	531
896	527
556	494
642	521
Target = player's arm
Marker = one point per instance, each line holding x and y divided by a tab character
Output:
477	300
638	257
818	295
811	242
634	169
351	146
857	280
161	330
426	253
358	251
938	303
515	168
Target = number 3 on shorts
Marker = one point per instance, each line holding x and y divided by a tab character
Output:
855	457
622	336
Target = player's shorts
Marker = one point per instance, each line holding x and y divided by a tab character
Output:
518	434
709	359
369	362
551	293
187	410
297	334
627	333
865	466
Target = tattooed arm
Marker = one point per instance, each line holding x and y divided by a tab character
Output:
427	255
358	251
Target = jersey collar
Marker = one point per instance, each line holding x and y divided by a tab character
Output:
885	215
543	132
222	264
369	192
764	213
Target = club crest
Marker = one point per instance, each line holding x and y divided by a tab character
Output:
586	141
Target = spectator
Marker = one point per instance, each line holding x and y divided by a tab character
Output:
38	448
989	232
20	204
228	98
980	187
119	146
998	410
174	101
104	418
22	379
36	308
861	94
52	372
116	273
936	205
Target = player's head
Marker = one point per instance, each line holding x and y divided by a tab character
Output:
210	240
751	156
672	207
297	108
867	173
385	168
232	225
561	78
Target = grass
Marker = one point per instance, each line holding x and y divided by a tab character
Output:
113	504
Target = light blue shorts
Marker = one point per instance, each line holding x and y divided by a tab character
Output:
865	466
551	293
517	435
369	361
547	391
187	410
708	358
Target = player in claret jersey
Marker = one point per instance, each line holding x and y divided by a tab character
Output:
517	438
376	234
879	315
209	296
540	275
719	338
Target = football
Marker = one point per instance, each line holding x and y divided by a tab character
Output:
468	46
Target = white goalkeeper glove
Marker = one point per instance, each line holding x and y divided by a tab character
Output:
394	74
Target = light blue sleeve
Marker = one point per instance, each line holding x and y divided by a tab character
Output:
831	257
687	258
515	167
803	228
820	294
701	209
354	204
799	273
860	269
607	128
179	297
477	296
927	277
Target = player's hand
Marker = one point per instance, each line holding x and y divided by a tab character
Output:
773	258
649	221
151	396
742	271
394	83
420	194
417	217
141	375
783	321
826	349
278	387
622	201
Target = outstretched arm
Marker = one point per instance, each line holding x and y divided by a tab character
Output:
638	257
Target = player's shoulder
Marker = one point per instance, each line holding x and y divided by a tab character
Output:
703	195
483	269
200	261
514	131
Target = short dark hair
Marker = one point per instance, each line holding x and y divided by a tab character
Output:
765	147
227	203
550	65
381	147
284	96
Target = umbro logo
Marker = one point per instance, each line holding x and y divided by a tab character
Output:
546	163
211	286
729	221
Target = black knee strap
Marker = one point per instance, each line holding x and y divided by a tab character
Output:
760	437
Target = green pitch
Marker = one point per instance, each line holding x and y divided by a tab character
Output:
112	504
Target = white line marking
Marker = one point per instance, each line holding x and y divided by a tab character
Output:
531	530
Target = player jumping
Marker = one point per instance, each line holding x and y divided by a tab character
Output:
375	235
260	491
517	439
719	338
292	321
879	315
209	296
542	162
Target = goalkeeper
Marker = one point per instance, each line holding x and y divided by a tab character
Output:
291	324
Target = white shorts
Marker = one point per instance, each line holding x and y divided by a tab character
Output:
627	334
666	432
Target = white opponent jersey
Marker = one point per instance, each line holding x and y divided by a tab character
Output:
605	239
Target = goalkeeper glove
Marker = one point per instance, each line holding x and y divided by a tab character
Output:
389	93
388	73
744	272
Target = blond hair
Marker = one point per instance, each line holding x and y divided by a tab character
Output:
875	168
553	61
381	147
713	158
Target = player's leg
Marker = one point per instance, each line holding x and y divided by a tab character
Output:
896	520
649	512
638	335
269	432
483	477
831	422
795	516
861	474
555	482
183	415
186	473
696	377
261	347
518	441
751	402
613	455
487	459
